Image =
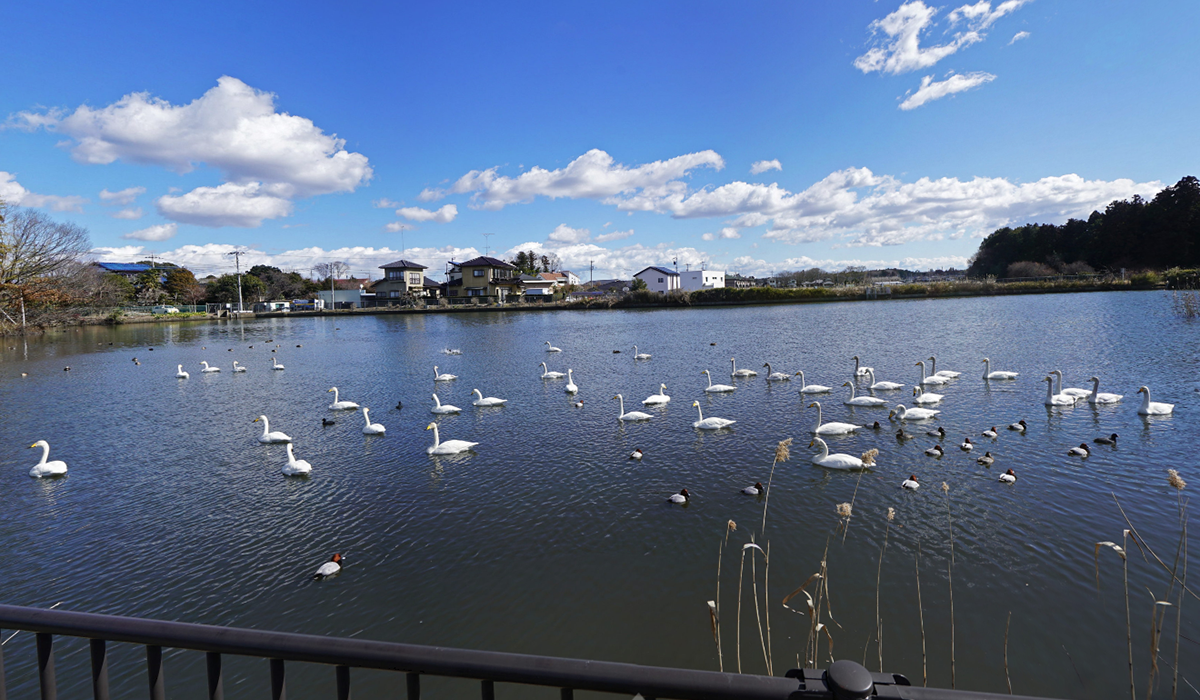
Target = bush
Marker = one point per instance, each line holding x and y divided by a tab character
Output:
1146	278
1182	279
1028	268
1078	267
910	289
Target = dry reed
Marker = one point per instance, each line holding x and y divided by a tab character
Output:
715	605
950	579
891	515
1007	678
921	613
1128	622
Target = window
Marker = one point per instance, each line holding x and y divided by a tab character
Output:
479	273
395	293
475	292
414	278
395	275
661	280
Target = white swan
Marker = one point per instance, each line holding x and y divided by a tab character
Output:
681	497
933	380
839	460
489	401
449	447
44	468
1069	391
442	377
716	388
207	368
371	428
776	376
1008	477
811	388
570	388
640	355
1097	397
1153	408
882	386
267	436
329	568
988	374
659	398
910	483
442	409
831	428
547	374
861	400
735	372
943	373
712	423
1053	399
921	397
275	363
632	415
338	405
181	374
860	371
295	467
902	413
237	367
551	348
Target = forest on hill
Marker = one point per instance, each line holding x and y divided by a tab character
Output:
1133	234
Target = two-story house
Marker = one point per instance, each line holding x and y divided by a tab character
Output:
659	279
487	277
400	279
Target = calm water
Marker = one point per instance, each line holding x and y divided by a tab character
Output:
546	539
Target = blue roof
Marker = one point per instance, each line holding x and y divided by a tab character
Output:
661	270
123	267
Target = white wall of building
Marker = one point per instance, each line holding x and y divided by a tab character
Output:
657	281
693	280
354	296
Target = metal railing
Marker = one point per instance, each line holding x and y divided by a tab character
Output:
844	679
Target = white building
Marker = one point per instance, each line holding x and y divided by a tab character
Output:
659	279
341	297
693	280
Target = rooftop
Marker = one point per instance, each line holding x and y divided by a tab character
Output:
661	270
485	261
405	264
123	267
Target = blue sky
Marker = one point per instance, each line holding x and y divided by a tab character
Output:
753	137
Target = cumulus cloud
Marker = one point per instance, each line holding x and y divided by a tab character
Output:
131	214
32	121
621	262
1017	37
897	36
398	226
246	206
384	203
442	216
565	234
160	232
593	175
121	198
930	90
12	192
763	166
614	236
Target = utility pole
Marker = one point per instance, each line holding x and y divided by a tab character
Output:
237	260
591	270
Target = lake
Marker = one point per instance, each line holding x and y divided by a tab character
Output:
546	539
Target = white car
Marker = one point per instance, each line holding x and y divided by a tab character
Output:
164	310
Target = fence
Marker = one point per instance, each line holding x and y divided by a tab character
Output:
183	308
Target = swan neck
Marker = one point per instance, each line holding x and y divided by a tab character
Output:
698	411
824	449
45	453
621	402
1146	399
818	414
436	442
266	425
1058	382
335	394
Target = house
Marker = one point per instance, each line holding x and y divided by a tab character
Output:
562	278
693	280
401	278
487	278
659	279
538	287
341	298
739	282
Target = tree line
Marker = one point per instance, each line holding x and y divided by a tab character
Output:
1134	234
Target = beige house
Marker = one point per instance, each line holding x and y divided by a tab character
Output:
400	279
489	278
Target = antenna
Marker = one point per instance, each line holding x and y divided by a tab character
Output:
486	249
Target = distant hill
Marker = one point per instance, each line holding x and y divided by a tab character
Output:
1133	234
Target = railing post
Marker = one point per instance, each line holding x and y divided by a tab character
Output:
154	668
99	669
216	689
343	682
488	689
567	694
278	680
45	653
412	680
3	687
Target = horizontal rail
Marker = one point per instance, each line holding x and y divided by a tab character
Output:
488	666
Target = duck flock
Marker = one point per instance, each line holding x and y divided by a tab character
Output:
900	416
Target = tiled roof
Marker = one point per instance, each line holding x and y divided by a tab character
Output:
484	261
431	283
661	270
406	264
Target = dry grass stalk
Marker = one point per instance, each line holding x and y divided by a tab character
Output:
1007	678
891	515
1159	617
1179	615
716	604
950	579
1128	623
1144	546
754	590
921	613
850	505
782	454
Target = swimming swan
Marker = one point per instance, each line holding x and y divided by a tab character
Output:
442	409
1053	399
1097	397
943	373
862	400
371	428
267	436
740	372
338	405
831	428
570	388
632	415
712	423
1153	408
659	398
489	401
776	376
237	367
207	368
640	355
902	413
449	447
275	363
551	348
43	468
295	467
811	388
1058	389
716	388
921	397
181	374
860	371
988	374
547	374
442	377
882	386
839	460
932	380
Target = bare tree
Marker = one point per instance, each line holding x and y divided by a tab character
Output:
333	269
34	246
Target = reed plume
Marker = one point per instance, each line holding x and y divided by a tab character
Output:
715	605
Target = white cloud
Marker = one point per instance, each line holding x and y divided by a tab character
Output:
730	232
763	166
708	236
384	203
398	226
130	214
614	236
931	90
565	234
592	175
442	216
12	192
981	16
161	232
32	121
430	195
230	204
612	262
898	47
1017	37
122	198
